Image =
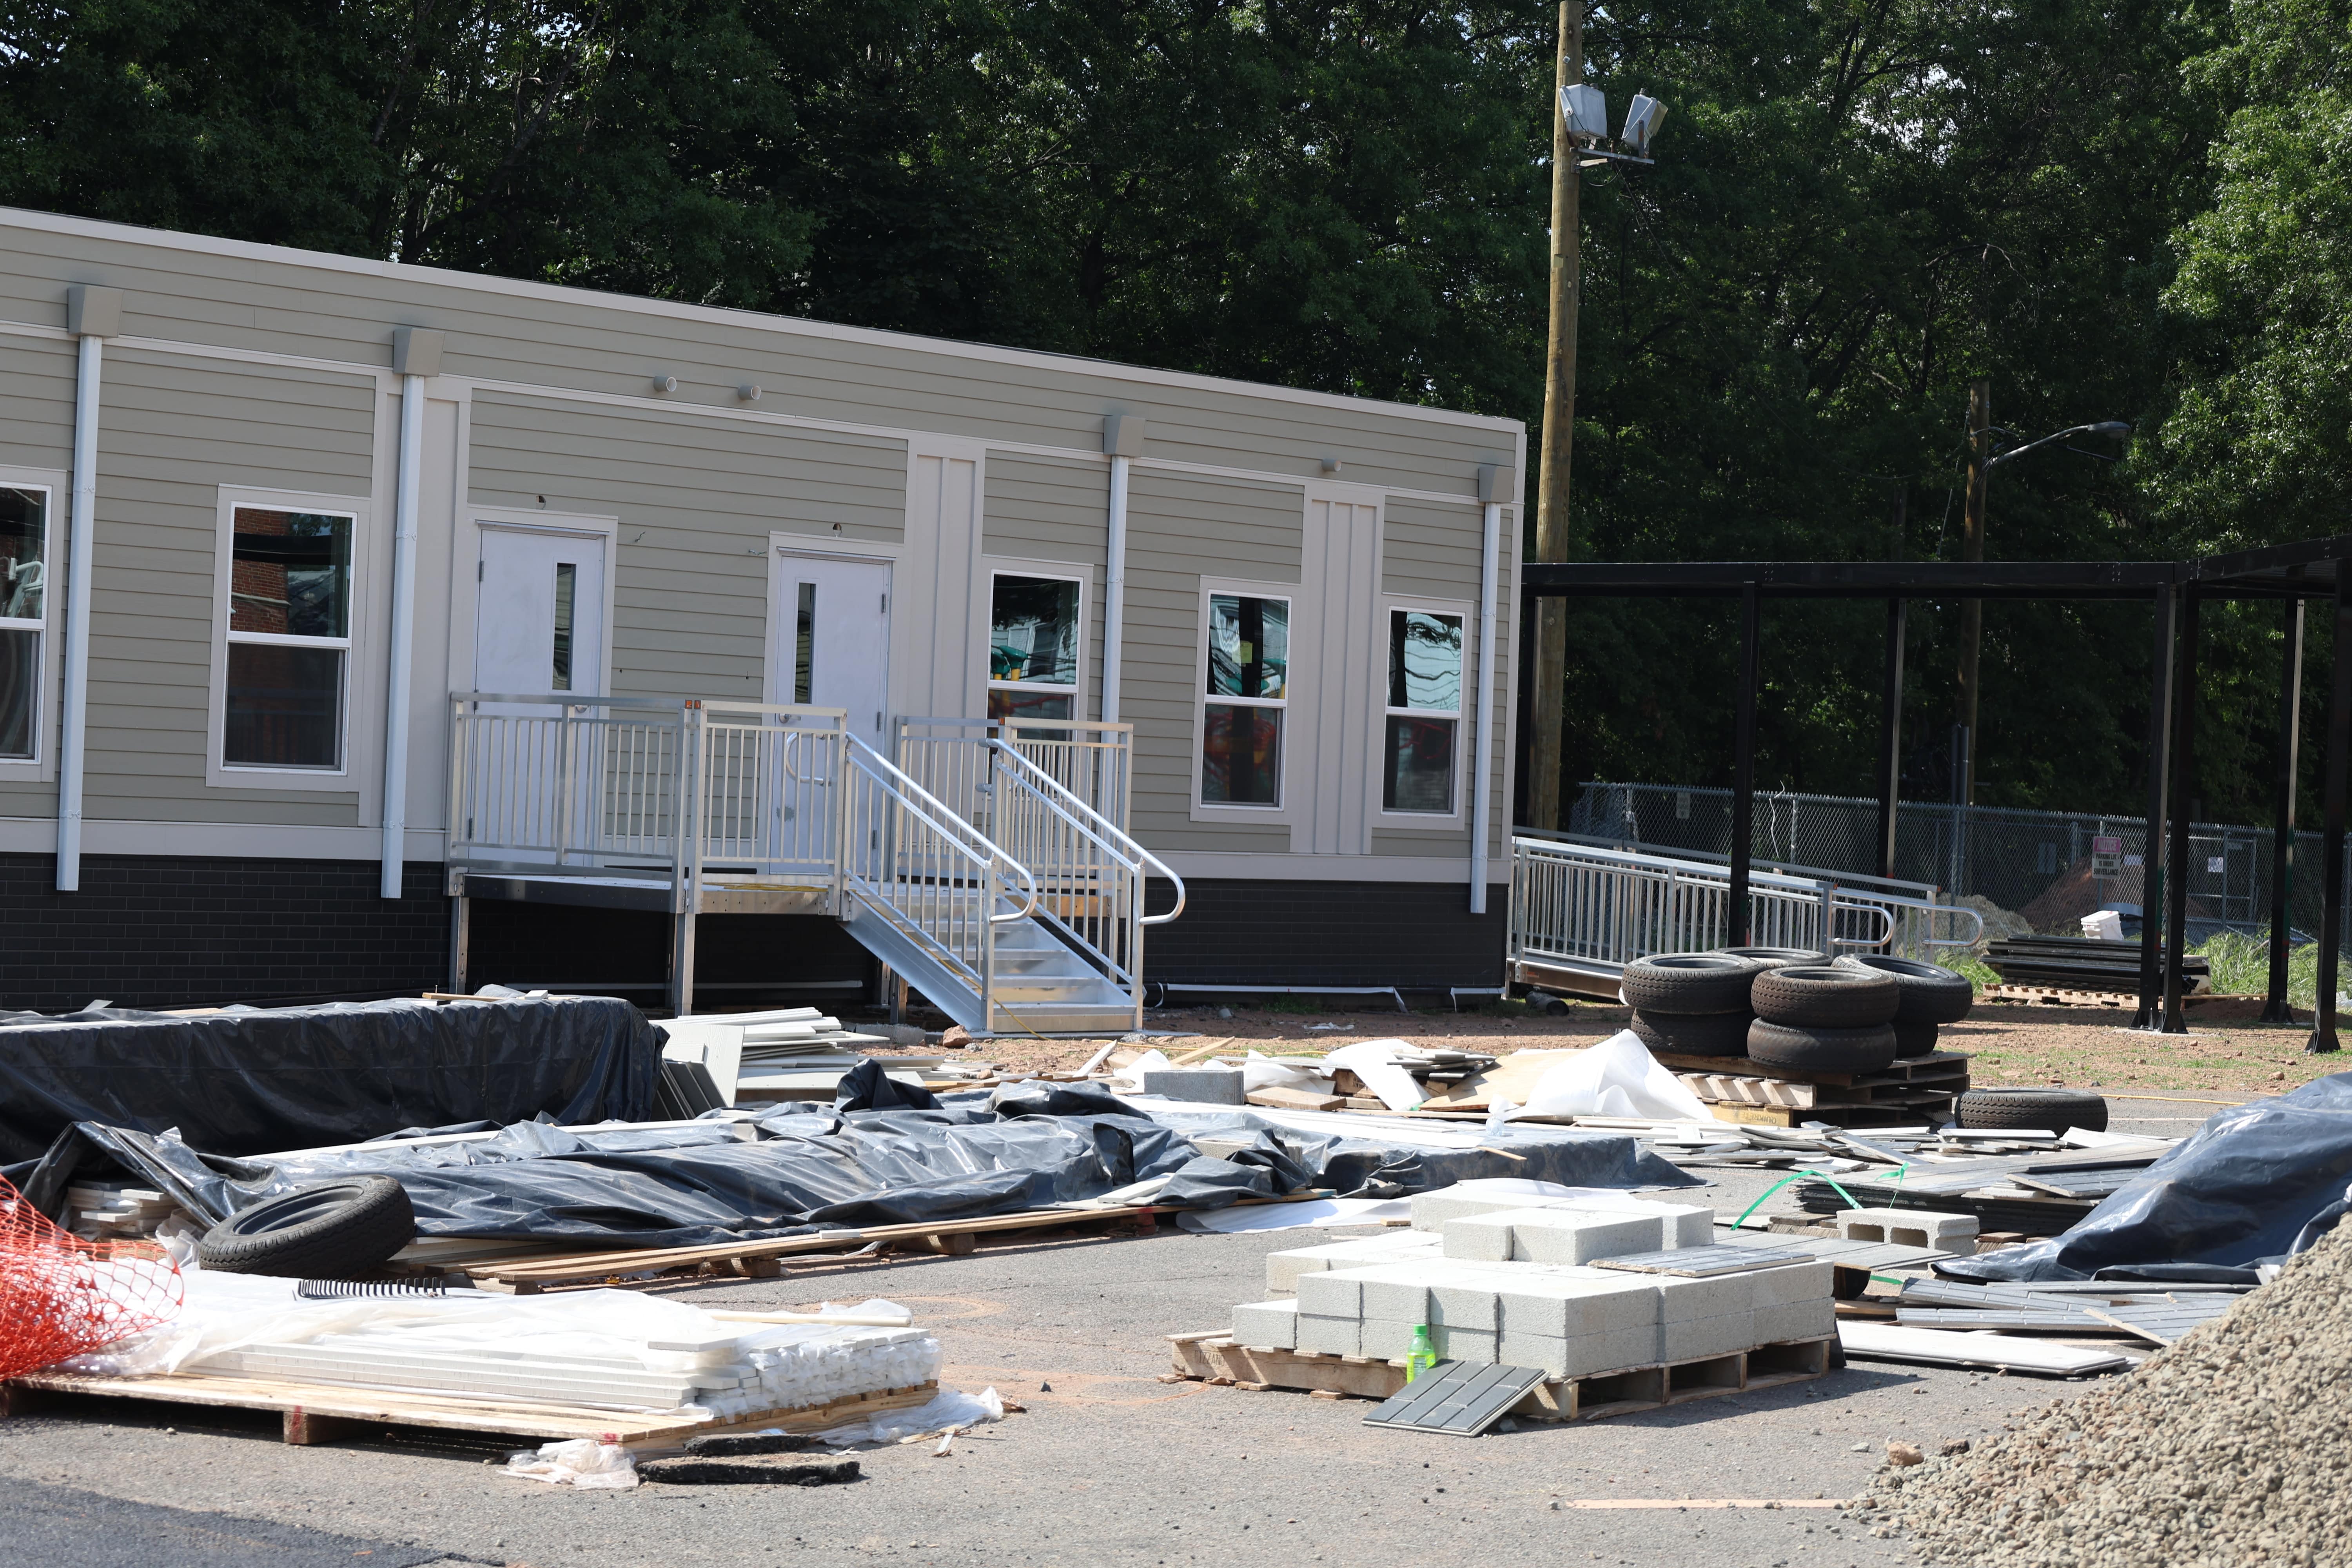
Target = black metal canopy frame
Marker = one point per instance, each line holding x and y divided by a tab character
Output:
2291	574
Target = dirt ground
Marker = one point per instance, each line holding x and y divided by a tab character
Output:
2225	1058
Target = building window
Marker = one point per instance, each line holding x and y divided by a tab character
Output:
1248	687
1424	711
24	616
1033	625
289	639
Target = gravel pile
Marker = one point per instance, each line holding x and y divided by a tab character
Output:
2232	1447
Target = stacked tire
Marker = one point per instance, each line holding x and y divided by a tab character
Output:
1690	1004
1823	1017
1928	996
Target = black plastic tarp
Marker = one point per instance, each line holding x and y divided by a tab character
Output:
2256	1181
805	1167
245	1080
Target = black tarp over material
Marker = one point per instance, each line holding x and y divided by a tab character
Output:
812	1167
2259	1181
246	1081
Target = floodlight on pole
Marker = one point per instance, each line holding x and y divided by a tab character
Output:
1584	111
1642	123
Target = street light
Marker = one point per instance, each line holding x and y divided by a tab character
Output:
1983	461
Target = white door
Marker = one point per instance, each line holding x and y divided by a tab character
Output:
832	631
539	632
539	626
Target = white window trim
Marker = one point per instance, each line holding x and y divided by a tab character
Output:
464	586
362	705
41	767
1285	810
1445	822
1047	571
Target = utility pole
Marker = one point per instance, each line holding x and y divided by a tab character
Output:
1972	540
1550	673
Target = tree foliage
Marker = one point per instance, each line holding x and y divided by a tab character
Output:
2134	209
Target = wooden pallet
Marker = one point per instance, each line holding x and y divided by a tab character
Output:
1853	1118
1938	1070
2055	996
322	1413
1741	1089
1214	1358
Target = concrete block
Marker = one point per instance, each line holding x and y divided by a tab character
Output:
1567	1305
1463	1344
1395	1295
1283	1268
1682	1300
1267	1325
1686	1225
1334	1293
1330	1336
1466	1303
1568	1235
1796	1320
1205	1086
1480	1237
1791	1282
1432	1210
1622	1348
1386	1341
1694	1338
1911	1227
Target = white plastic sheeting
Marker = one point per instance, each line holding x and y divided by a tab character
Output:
1616	1078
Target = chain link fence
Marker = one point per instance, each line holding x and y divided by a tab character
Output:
2048	867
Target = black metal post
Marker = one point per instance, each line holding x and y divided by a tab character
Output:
2275	1009
2151	875
2331	808
1523	698
1743	771
2184	790
1890	737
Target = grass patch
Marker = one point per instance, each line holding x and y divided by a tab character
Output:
2241	967
1961	962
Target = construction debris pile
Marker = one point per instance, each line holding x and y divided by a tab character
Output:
2085	964
2228	1448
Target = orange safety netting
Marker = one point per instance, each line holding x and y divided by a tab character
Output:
61	1295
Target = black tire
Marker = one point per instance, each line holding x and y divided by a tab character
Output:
1770	957
1867	1049
1930	993
1687	983
1914	1039
2033	1110
1693	1034
1823	997
327	1231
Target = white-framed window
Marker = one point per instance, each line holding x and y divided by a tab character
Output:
1245	698
1036	630
24	617
1421	745
285	702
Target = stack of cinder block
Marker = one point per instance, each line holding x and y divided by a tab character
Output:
1510	1280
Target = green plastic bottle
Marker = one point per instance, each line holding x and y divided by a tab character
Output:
1423	1356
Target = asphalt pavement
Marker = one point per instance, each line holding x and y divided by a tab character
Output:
1106	1465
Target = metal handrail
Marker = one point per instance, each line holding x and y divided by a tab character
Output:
1113	838
933	814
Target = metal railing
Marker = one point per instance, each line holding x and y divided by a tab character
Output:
1582	908
648	788
938	879
1091	877
950	757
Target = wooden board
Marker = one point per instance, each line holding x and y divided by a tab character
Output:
1214	1358
2058	996
320	1413
1929	1070
1851	1116
1514	1078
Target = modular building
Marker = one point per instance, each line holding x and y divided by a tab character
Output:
362	624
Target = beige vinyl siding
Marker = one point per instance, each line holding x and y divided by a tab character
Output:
696	500
1048	511
1433	549
1179	528
341	309
171	430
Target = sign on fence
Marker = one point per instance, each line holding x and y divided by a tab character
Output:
2106	854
